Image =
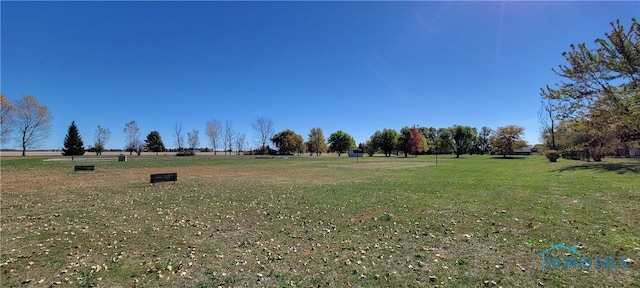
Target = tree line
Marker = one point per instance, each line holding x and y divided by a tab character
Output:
596	105
456	140
31	123
414	140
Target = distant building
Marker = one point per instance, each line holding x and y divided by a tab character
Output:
630	151
527	150
356	153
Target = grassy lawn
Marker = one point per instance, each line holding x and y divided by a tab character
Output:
316	221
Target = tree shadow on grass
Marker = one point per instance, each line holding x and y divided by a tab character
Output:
619	168
509	157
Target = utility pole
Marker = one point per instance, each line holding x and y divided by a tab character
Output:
436	148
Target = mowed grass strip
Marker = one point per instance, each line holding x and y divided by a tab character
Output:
316	221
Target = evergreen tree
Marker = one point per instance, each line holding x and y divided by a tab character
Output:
73	145
154	142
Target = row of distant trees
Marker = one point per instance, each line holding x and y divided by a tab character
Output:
456	140
414	140
596	105
31	121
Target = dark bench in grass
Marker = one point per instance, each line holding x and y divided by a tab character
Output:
83	168
164	177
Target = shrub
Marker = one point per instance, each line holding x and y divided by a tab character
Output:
552	155
581	154
598	154
186	153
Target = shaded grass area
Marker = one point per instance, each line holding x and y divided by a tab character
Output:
620	168
328	221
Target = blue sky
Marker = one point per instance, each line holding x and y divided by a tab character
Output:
352	66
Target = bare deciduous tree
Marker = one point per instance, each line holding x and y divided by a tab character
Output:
548	115
227	137
102	136
264	127
193	139
240	143
132	134
6	116
179	136
214	127
32	121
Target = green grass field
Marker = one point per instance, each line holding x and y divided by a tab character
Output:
317	221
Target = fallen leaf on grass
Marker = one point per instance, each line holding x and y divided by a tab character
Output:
487	283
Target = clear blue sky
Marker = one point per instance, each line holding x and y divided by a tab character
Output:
352	66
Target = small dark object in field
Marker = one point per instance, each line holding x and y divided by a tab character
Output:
155	178
83	168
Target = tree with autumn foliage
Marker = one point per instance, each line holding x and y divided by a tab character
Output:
316	143
411	141
287	141
508	139
417	141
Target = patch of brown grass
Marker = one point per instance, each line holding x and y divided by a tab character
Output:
386	165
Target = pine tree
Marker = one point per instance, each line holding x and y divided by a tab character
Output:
73	145
154	142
